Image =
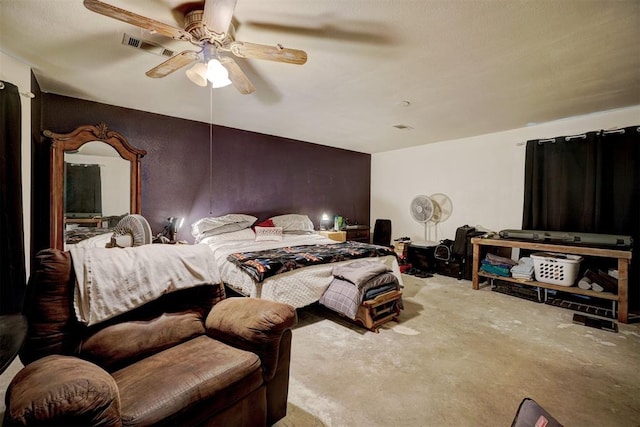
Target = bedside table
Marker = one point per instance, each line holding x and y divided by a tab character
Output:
338	236
358	233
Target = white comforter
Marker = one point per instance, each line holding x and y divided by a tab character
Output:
113	281
299	287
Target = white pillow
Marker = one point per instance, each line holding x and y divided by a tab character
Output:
293	223
222	224
268	233
244	234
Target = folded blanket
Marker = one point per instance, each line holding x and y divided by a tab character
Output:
495	269
372	293
360	272
112	281
352	281
498	260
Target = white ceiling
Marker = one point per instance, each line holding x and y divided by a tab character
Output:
465	67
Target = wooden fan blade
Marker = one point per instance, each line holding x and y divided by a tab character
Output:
137	20
172	64
218	15
237	76
270	53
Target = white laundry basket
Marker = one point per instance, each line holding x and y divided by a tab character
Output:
556	268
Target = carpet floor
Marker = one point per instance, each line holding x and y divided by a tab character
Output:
459	357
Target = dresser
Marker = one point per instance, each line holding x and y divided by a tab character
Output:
358	233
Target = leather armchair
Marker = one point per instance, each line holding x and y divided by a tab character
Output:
191	357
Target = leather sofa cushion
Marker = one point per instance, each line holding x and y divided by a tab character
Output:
122	343
252	324
207	369
52	325
62	390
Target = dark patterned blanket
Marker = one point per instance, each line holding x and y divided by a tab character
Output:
263	264
79	234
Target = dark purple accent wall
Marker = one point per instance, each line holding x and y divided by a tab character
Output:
251	173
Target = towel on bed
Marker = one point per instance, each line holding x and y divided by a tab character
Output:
352	281
112	281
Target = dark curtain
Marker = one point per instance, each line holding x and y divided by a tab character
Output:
12	266
586	183
83	190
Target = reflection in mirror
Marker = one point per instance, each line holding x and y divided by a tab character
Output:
95	180
96	191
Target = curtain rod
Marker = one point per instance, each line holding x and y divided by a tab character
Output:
607	132
566	138
25	94
581	136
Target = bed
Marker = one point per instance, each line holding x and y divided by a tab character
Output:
86	236
92	236
299	287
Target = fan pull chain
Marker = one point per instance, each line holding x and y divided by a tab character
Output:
211	151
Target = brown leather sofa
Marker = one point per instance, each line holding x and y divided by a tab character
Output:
174	361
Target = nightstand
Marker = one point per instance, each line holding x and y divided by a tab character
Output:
338	236
358	233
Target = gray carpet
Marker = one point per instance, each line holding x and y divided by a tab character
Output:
458	357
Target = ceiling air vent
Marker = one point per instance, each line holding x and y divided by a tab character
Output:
146	45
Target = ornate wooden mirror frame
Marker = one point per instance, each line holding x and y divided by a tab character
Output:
61	143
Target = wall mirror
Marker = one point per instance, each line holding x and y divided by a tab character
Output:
95	176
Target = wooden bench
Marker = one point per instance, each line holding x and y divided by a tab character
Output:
379	310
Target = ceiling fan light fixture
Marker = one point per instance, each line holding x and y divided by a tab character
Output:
198	74
217	74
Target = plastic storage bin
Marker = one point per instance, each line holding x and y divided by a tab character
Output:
555	268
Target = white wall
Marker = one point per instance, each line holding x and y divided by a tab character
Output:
483	175
19	74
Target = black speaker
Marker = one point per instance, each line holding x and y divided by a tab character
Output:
382	232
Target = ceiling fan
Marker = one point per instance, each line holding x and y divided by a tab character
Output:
211	30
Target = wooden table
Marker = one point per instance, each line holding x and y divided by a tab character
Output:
623	257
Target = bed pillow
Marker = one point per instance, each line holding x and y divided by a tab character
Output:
293	223
268	233
244	234
222	224
266	223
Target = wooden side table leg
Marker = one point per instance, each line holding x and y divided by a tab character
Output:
623	290
476	266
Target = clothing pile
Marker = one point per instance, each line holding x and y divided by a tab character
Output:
356	282
524	269
497	265
599	281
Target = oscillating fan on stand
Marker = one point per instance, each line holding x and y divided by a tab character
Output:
435	208
422	210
